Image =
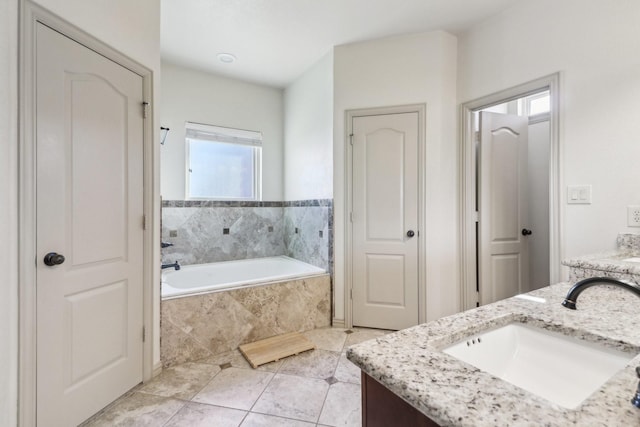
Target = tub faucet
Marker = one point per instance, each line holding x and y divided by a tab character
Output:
636	398
574	292
165	244
174	265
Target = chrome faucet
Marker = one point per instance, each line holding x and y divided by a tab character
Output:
174	265
165	244
574	292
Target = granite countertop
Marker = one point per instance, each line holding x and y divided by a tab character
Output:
613	262
453	393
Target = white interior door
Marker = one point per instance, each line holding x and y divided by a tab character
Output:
503	244
385	220
89	150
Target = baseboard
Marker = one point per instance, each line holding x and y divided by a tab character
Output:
157	368
337	323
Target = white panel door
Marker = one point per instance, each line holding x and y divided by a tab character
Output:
503	246
89	150
385	220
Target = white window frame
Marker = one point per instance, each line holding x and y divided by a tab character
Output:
524	107
219	134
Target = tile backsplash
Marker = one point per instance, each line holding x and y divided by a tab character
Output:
212	231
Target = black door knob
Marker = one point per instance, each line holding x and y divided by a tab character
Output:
53	258
526	232
410	233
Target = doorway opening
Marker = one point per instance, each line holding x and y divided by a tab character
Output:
510	216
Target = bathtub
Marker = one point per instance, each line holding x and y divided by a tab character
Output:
227	275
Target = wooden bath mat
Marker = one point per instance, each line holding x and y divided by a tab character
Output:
275	348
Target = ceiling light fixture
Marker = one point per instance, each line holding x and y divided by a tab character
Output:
226	58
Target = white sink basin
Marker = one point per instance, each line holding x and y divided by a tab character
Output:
561	369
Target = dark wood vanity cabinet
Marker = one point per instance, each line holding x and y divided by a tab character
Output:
383	408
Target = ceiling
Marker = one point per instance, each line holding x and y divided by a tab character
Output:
275	41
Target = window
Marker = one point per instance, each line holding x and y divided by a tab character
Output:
533	105
223	163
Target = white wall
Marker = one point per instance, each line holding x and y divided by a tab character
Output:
595	45
308	133
419	68
130	27
8	212
195	96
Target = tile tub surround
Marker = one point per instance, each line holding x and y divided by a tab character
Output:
302	228
453	393
200	233
199	326
212	231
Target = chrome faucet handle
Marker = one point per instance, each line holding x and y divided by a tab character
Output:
636	399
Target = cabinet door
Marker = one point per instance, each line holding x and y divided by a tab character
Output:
382	408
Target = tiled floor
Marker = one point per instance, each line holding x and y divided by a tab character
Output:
316	388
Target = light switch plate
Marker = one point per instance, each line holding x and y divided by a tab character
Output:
579	194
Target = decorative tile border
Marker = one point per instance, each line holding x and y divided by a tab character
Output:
244	204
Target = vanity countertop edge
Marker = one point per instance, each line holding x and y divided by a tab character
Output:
613	262
410	362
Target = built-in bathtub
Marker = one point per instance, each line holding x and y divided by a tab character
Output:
227	275
210	309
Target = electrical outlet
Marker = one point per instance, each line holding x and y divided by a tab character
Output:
633	216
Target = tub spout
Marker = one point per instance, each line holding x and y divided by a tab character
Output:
174	265
576	290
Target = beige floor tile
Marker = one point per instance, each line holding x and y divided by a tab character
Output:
360	335
261	420
182	381
200	415
234	388
342	406
346	371
137	410
312	364
293	397
331	339
237	360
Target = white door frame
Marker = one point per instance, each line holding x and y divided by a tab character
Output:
468	251
31	14
422	274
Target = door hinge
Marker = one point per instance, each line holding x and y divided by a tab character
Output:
351	293
476	216
350	216
351	139
144	222
144	334
145	110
